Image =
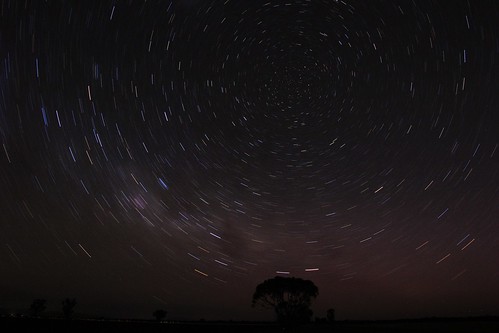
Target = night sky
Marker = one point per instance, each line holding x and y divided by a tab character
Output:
174	154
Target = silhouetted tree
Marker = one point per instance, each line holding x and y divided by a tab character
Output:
289	297
68	306
330	315
160	314
37	307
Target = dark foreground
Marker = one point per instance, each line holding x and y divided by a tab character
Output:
485	325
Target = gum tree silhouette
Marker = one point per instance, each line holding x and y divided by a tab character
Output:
37	307
160	314
68	306
289	297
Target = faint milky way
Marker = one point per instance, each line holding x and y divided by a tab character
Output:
177	153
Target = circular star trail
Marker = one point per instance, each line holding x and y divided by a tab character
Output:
177	153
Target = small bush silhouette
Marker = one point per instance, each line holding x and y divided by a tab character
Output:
159	314
37	307
330	315
68	307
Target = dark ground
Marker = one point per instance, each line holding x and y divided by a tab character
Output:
95	326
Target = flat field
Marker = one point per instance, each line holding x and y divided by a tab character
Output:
123	326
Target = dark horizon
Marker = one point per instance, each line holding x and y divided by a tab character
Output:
124	307
145	313
175	154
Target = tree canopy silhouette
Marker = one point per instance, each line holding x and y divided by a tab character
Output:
289	297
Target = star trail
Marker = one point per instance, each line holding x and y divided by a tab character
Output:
177	153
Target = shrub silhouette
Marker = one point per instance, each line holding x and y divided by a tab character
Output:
159	314
37	307
68	307
330	315
289	297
